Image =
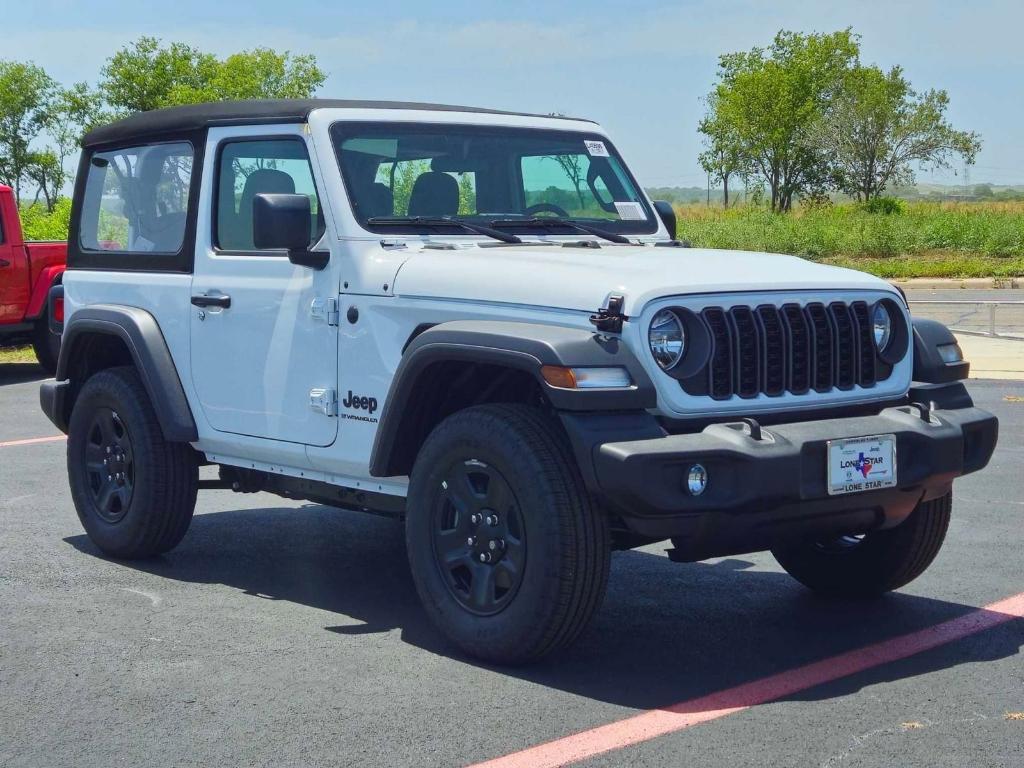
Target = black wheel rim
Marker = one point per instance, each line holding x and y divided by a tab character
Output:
109	465
479	541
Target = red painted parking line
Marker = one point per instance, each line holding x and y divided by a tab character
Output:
659	722
33	441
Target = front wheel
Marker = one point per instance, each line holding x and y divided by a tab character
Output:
876	562
134	491
509	557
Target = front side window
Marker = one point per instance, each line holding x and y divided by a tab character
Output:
136	199
247	168
493	176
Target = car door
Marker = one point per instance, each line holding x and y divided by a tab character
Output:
264	352
14	287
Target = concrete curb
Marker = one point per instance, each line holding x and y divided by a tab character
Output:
945	283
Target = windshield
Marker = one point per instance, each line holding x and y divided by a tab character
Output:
488	175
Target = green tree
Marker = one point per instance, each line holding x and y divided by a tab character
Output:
723	156
467	194
257	74
45	172
71	111
26	93
142	75
770	99
148	75
877	128
572	165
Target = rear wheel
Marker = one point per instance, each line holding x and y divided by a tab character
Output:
509	557
134	491
876	562
46	345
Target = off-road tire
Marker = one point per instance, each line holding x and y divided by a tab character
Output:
46	345
567	547
164	476
880	562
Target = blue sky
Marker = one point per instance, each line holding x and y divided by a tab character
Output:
640	67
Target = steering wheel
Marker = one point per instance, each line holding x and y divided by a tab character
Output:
533	210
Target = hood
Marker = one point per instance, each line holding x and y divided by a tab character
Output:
583	278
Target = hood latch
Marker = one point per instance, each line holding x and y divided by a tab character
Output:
609	319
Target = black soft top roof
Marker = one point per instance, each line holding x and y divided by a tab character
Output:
194	117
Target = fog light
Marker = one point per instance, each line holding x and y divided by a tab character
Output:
950	353
696	480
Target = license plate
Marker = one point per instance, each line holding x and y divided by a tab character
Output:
861	464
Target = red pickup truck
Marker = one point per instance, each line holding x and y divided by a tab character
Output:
27	272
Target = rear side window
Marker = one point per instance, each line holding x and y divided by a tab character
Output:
246	168
136	199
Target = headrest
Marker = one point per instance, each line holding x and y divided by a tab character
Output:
434	194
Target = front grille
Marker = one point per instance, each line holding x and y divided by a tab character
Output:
771	350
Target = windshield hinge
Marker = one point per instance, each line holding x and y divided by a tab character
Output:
325	309
609	319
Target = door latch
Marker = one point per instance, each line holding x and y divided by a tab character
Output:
324	401
326	310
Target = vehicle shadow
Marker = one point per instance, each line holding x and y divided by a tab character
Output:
19	373
667	632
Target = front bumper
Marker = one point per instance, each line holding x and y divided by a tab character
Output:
52	399
762	492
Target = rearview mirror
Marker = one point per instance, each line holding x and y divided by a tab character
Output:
281	221
667	214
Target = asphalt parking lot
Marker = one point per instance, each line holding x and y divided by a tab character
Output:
288	634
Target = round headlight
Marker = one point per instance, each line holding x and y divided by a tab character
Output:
667	339
881	320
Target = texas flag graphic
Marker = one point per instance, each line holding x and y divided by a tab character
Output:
863	465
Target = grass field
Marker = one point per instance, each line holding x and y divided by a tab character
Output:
924	240
17	355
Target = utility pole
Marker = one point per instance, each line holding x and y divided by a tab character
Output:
709	189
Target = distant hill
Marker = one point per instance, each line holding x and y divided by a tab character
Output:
686	194
925	192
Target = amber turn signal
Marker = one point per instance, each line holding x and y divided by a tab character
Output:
557	376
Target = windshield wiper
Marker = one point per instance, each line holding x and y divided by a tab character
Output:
550	221
441	221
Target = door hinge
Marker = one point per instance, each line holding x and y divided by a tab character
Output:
325	309
324	401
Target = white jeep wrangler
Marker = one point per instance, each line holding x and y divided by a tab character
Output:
477	321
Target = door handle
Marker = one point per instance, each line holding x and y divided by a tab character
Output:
204	300
4	263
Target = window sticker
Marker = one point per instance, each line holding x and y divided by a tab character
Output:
596	148
630	211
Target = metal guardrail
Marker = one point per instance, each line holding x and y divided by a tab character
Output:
976	318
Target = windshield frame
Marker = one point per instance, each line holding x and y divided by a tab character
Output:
341	130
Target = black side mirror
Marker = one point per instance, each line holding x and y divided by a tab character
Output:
282	221
668	216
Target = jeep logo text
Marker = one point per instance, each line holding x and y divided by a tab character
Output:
357	402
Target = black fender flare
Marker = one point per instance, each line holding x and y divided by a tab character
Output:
141	334
929	367
522	346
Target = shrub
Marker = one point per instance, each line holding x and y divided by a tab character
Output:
38	224
886	206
